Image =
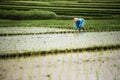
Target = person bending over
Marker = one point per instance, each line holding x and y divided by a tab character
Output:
79	23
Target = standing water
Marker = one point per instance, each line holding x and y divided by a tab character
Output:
46	42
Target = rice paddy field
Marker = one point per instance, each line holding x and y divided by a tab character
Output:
33	48
102	65
89	9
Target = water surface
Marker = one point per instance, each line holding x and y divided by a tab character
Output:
24	43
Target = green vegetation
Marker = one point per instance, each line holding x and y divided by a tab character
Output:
91	9
69	0
91	25
22	15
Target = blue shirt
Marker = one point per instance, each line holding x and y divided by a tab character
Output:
80	23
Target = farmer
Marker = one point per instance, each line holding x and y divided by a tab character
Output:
79	23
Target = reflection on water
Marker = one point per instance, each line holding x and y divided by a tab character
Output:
78	34
81	34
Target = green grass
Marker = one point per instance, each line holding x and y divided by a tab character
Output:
93	25
23	15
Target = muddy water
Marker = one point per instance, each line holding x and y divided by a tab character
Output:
76	66
14	30
14	44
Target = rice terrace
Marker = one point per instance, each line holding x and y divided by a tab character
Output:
38	40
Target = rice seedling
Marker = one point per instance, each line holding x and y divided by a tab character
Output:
35	24
63	65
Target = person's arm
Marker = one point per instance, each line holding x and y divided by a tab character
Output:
77	25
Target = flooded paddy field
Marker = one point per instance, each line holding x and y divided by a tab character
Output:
26	30
102	65
47	42
73	65
34	47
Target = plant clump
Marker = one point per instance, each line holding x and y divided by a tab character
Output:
27	15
